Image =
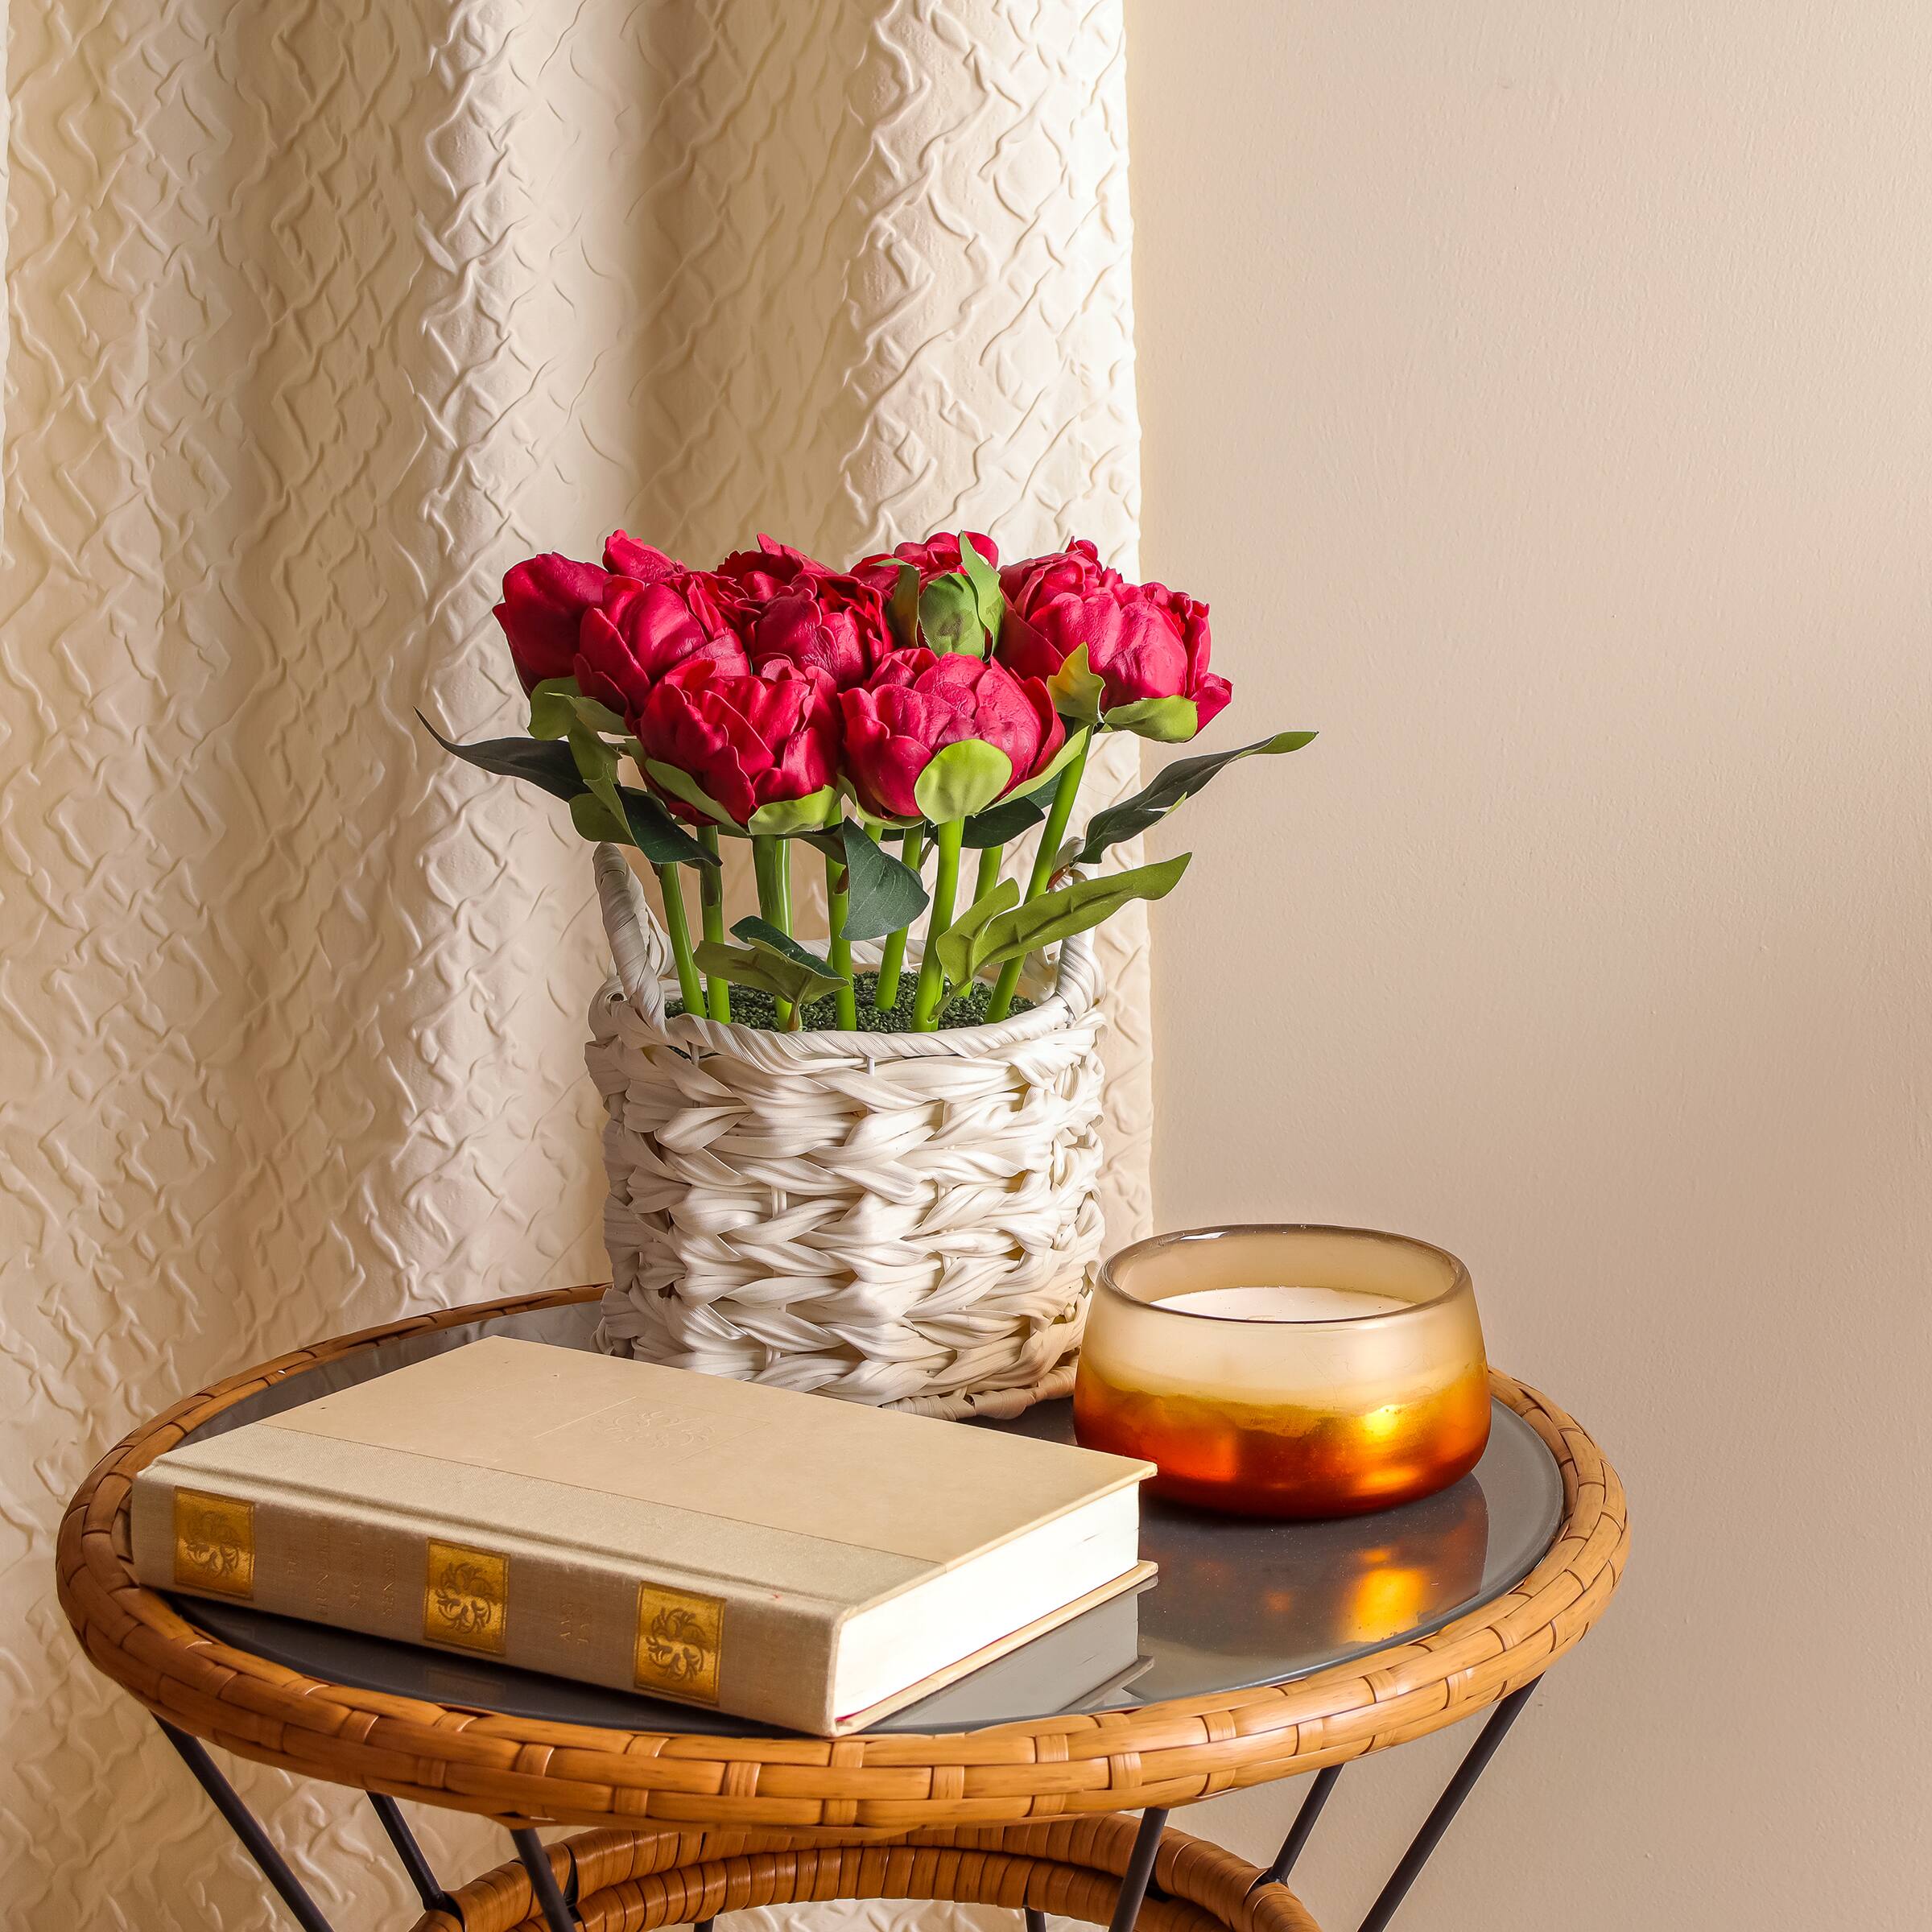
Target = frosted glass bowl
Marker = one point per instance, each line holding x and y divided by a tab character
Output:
1286	1371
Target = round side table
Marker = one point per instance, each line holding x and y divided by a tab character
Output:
1259	1652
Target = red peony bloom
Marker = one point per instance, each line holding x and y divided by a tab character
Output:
747	740
938	555
641	631
788	609
916	704
835	625
625	557
1143	640
544	600
765	572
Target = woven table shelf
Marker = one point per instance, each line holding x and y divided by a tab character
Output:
523	1770
629	1881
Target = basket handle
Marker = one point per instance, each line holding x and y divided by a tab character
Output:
1078	980
638	948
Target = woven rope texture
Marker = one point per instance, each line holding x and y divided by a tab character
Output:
902	1218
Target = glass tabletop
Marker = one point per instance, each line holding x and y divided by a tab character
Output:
1236	1603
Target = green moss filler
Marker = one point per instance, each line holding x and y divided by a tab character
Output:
750	1008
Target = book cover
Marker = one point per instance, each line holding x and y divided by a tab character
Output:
717	1541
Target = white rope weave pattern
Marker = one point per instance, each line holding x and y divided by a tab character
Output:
899	1219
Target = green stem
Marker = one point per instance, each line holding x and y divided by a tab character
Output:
1051	834
926	1002
838	886
891	961
688	983
711	904
774	876
988	873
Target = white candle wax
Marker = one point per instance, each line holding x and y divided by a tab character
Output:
1282	1303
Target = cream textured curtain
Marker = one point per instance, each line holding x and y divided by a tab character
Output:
319	316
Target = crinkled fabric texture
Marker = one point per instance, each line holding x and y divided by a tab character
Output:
320	319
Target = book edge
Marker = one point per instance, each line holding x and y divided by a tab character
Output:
1136	1574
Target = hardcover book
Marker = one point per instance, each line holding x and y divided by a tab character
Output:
809	1562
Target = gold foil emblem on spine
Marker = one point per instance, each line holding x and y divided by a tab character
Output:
466	1598
679	1636
214	1543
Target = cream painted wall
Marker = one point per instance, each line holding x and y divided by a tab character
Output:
1543	396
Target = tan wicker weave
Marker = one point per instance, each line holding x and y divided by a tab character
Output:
629	1881
521	1770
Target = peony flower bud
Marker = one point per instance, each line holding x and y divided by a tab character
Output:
1143	641
544	600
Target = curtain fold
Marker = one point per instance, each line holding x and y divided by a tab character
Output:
317	319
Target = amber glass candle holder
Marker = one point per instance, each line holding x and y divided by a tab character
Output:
1286	1371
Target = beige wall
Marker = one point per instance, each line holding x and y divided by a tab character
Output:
1543	396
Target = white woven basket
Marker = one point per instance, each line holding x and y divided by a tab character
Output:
901	1219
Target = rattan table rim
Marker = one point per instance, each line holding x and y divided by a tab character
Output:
522	1771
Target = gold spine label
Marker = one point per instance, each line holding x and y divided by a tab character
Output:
679	1637
466	1598
214	1543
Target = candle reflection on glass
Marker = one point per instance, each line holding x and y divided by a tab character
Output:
1287	1371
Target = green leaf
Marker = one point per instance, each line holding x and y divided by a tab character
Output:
556	703
593	821
536	762
597	764
1166	720
985	581
1180	780
1075	690
646	824
949	616
883	894
962	779
955	944
681	785
811	813
1075	743
553	707
760	932
1058	915
599	717
902	611
768	971
1001	823
656	833
624	816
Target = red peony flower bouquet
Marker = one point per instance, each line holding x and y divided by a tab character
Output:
928	698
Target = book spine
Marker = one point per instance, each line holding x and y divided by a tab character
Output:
463	1587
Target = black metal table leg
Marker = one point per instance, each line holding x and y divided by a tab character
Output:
1474	1762
550	1900
421	1874
245	1825
1140	1869
1036	1922
1304	1823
